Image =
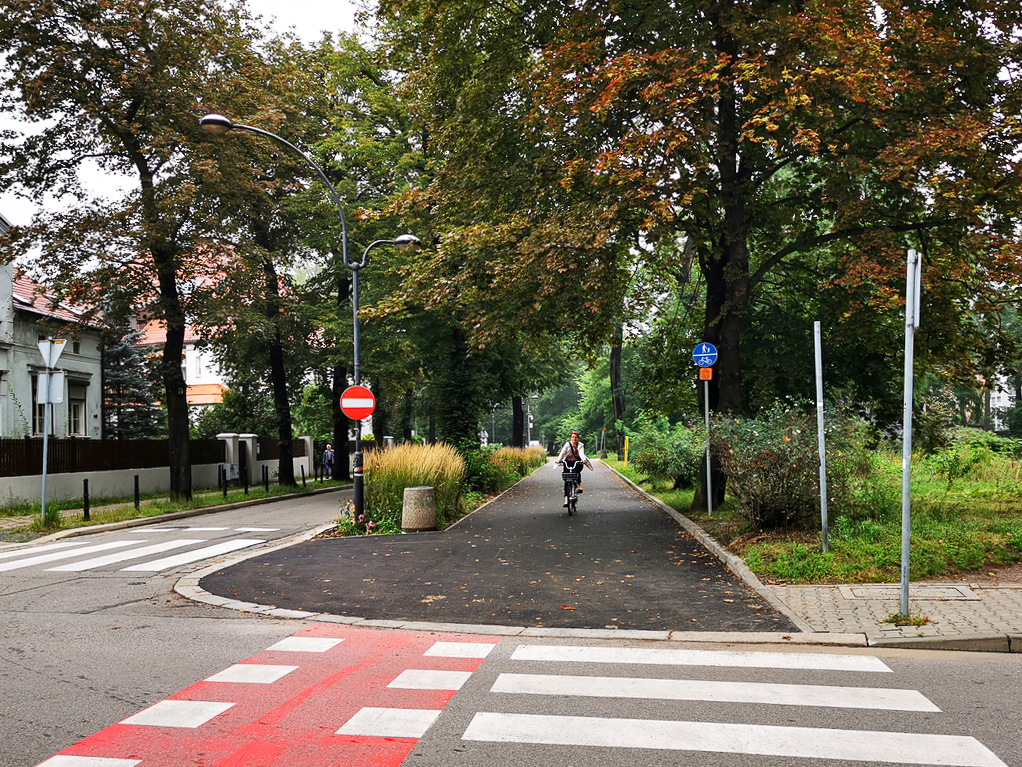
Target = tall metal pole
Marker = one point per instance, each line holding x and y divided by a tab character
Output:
46	438
912	290
218	125
819	428
709	474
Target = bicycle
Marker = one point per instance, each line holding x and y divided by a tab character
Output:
571	473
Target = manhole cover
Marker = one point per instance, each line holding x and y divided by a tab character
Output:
936	593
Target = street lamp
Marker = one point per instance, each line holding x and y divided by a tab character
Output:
219	125
528	411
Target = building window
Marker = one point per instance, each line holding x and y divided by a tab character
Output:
76	422
38	410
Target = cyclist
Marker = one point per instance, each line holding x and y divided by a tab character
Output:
575	451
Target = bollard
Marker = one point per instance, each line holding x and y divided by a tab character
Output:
85	499
136	493
266	478
223	474
418	510
245	481
303	475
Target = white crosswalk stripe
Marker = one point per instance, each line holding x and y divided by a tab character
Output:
735	701
78	556
123	556
193	556
41	559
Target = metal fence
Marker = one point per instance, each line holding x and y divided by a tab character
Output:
24	457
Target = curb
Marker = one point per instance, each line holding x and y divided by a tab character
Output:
188	587
733	563
74	532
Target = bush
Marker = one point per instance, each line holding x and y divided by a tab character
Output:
666	453
772	466
491	471
389	472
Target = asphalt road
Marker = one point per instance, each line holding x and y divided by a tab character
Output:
620	562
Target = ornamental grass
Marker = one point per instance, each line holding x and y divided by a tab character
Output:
389	472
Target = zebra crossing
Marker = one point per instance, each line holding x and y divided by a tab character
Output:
525	708
83	555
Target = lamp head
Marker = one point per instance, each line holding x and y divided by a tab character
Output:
407	241
215	124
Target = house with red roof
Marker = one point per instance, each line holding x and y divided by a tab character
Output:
28	315
205	382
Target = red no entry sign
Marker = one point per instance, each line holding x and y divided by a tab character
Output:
357	402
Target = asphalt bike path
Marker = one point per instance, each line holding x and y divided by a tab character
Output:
619	563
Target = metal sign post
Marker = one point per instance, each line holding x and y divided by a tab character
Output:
820	432
705	355
49	390
913	285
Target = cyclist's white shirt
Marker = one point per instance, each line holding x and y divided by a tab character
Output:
567	447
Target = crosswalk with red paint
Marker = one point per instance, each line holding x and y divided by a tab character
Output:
327	695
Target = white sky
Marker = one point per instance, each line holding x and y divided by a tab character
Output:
309	18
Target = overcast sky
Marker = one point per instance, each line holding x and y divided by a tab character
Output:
309	18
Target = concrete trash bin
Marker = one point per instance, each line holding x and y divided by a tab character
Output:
418	510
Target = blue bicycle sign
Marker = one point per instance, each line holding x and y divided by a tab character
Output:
705	355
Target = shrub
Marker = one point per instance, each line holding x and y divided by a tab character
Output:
772	465
491	471
667	453
389	472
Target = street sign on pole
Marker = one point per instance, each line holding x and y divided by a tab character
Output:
357	402
51	348
705	355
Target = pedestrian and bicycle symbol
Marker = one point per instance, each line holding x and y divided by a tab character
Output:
705	355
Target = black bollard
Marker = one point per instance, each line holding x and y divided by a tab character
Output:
85	499
303	475
223	475
266	478
245	481
136	493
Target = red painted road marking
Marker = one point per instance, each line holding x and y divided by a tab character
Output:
300	718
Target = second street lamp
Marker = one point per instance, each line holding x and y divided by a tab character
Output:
218	125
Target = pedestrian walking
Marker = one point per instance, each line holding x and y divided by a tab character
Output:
328	462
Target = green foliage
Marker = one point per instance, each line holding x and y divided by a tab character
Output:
492	470
247	409
313	415
667	453
771	464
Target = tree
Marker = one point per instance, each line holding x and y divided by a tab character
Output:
120	83
129	390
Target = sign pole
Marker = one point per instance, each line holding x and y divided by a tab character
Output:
705	355
820	431
912	289
709	475
45	386
50	350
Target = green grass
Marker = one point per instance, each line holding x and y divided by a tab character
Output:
972	522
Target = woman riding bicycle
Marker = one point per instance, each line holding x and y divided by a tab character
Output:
574	451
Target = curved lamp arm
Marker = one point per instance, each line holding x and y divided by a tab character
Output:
218	125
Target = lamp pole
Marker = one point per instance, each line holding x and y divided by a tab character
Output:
218	125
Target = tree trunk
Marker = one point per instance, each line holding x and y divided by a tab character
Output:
517	423
406	416
278	379
727	267
616	394
178	444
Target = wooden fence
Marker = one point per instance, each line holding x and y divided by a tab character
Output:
268	448
24	457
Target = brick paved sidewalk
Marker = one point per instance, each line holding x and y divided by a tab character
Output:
952	609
